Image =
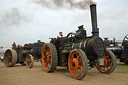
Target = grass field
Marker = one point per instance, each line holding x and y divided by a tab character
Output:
121	67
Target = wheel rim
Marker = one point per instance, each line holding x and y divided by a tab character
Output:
46	57
29	60
75	64
108	64
8	58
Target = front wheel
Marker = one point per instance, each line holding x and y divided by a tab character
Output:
49	57
109	62
78	64
29	61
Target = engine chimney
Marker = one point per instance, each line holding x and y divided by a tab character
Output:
95	30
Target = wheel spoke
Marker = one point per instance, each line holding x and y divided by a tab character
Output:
107	67
80	66
49	59
78	55
126	37
48	53
110	60
8	57
7	54
80	61
6	62
75	71
45	50
71	67
72	56
45	63
104	68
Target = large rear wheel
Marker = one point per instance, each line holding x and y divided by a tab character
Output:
49	57
78	64
109	62
10	57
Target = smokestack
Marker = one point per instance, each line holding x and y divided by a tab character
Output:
95	30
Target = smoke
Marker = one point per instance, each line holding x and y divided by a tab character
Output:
12	17
79	4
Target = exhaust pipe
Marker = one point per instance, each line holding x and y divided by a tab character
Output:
95	30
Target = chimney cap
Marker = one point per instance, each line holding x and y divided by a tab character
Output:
92	5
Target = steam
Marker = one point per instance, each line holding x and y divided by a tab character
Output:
12	18
79	4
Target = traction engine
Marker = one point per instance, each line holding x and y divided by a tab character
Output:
25	55
120	49
77	50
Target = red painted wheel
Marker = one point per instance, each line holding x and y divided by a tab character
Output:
109	63
49	57
78	64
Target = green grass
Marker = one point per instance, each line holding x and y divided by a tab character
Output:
121	67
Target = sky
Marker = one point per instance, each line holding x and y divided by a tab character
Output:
26	21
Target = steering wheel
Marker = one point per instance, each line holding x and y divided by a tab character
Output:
125	41
71	39
71	33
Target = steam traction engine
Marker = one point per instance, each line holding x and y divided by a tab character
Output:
120	49
23	55
74	51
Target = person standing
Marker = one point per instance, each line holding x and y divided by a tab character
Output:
14	45
2	58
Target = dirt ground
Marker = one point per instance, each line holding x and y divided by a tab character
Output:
21	75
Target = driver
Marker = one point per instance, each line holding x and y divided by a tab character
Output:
81	32
60	35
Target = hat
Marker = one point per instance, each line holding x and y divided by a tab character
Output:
81	26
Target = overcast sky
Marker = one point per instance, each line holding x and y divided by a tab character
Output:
26	21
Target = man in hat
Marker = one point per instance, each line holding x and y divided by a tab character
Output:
81	32
60	35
